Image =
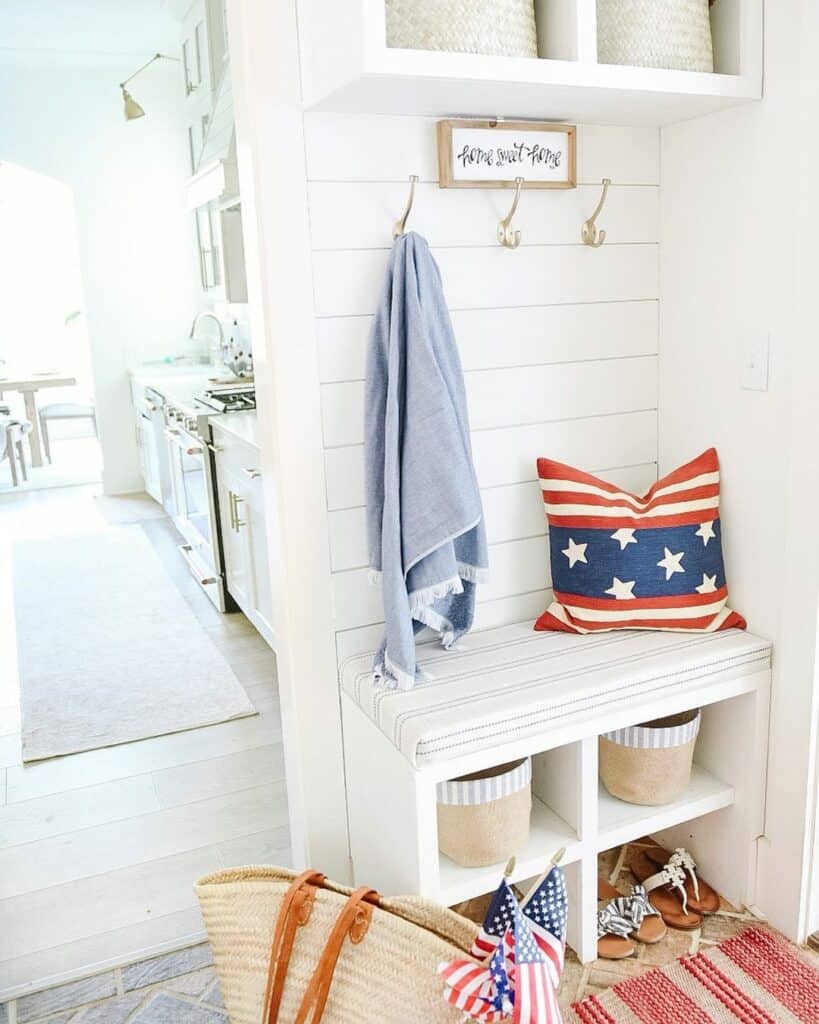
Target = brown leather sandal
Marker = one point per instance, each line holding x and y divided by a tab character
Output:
702	898
637	908
666	889
613	942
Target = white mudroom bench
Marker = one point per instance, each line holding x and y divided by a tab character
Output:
508	692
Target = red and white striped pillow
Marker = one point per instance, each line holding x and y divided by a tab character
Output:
627	561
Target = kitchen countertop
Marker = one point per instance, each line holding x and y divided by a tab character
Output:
179	384
176	384
241	425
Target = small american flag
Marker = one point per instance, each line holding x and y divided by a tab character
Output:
484	993
547	911
497	920
535	990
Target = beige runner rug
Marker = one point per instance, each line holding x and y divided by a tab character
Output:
108	649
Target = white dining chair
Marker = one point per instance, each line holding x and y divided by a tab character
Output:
64	411
12	433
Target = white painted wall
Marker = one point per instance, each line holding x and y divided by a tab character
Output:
558	340
137	249
737	237
731	263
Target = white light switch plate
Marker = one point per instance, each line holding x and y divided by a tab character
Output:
754	372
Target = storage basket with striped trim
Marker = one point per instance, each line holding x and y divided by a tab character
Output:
650	763
483	818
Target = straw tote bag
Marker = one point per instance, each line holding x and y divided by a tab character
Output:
299	949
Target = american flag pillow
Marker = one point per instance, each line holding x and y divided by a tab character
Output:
625	561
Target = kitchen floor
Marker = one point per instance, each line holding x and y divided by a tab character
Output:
215	796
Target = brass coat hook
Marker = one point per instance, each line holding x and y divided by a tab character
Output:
589	232
400	225
506	236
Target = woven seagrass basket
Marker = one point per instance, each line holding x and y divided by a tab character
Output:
484	818
501	27
390	976
655	34
651	763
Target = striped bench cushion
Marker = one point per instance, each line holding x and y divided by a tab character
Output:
511	682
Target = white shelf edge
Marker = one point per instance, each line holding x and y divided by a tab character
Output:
549	832
621	822
483	68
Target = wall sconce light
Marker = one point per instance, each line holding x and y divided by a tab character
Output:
130	107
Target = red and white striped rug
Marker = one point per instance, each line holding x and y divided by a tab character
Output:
753	978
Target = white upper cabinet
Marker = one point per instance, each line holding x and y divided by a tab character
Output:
204	45
347	66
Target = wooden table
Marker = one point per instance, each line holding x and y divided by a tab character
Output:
28	385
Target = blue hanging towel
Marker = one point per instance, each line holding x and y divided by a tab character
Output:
427	542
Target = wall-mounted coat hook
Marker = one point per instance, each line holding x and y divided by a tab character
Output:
400	225
589	232
506	236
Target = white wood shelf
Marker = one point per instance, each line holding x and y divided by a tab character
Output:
349	68
570	807
620	822
547	834
472	85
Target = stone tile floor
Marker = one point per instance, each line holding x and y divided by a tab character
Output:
176	988
181	987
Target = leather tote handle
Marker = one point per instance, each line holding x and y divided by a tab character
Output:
354	920
294	912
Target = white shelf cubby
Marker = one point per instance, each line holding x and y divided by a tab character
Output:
719	817
348	67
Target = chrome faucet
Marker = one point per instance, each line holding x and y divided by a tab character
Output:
200	316
216	354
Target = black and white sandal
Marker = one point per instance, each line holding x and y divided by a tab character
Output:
647	923
613	931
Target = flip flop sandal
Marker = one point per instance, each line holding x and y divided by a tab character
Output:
613	942
649	926
702	899
667	891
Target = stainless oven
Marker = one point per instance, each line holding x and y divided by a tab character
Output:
193	499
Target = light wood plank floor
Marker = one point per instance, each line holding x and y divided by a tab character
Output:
99	850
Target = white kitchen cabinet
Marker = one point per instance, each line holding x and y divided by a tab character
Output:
221	252
235	537
203	46
262	616
148	462
244	540
146	442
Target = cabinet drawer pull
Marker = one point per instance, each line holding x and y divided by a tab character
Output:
235	521
215	448
239	522
194	450
231	510
252	473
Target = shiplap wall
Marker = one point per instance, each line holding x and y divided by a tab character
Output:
558	340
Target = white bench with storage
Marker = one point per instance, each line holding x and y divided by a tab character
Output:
511	692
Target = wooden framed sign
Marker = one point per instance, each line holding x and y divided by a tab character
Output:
491	154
